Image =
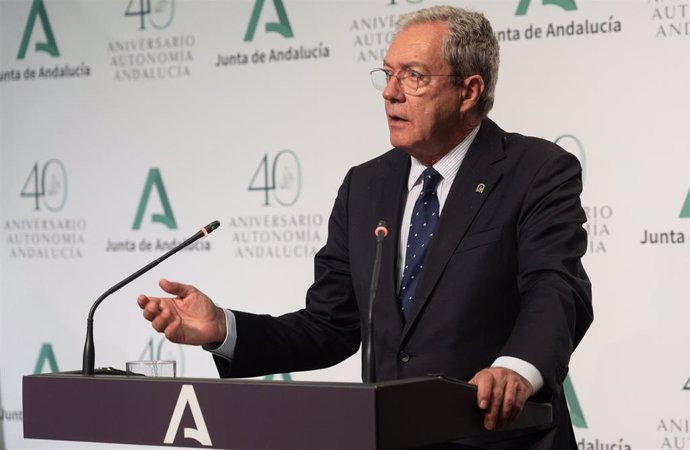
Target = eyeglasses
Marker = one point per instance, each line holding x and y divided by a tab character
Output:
411	81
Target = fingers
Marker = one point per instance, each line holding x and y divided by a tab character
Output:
502	393
160	319
484	382
492	416
150	306
188	317
142	300
163	317
514	398
177	289
173	330
509	405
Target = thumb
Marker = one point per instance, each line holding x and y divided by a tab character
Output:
174	288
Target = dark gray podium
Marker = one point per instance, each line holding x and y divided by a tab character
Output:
253	415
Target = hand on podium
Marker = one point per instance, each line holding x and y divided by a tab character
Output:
502	393
188	318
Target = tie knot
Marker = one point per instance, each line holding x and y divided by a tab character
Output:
430	179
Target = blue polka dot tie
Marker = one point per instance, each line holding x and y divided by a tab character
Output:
422	225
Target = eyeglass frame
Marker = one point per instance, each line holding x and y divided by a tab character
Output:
411	73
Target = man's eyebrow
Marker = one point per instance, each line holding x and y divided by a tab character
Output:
409	65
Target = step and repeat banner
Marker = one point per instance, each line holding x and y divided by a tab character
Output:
125	125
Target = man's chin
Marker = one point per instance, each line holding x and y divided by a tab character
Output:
410	148
402	144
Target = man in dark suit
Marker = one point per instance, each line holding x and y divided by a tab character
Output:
500	297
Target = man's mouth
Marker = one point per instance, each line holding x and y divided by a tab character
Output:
394	118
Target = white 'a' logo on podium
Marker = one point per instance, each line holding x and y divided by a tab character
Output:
200	433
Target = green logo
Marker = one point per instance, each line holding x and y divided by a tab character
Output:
685	212
574	407
568	5
46	355
282	27
155	180
284	376
281	176
46	184
50	46
159	17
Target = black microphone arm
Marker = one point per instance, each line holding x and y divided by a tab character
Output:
89	350
369	369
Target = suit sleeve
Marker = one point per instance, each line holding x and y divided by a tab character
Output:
555	293
322	334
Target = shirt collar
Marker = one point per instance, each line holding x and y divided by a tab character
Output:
447	166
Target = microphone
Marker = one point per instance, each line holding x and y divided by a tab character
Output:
89	350
369	369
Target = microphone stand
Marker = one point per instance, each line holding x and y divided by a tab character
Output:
369	369
89	357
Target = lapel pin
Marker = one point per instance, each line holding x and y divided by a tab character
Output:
480	188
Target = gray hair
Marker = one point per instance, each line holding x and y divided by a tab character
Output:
470	47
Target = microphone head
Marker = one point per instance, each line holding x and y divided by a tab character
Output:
212	226
381	230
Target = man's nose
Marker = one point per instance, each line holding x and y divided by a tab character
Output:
393	90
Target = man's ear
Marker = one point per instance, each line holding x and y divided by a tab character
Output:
470	91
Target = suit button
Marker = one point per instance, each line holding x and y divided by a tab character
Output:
403	357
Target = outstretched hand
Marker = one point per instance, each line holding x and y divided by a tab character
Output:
502	394
188	318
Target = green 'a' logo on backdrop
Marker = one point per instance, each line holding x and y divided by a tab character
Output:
46	355
685	212
38	9
576	414
568	5
282	27
155	179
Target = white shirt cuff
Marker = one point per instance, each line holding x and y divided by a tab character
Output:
523	368
226	350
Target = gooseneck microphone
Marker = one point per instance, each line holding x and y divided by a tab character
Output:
89	350
369	369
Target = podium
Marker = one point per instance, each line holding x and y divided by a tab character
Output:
252	415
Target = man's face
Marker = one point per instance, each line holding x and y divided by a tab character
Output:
427	122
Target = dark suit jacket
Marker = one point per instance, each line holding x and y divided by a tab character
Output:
502	276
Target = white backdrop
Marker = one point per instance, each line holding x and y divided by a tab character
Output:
96	105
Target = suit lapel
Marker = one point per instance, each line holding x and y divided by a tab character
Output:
477	177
